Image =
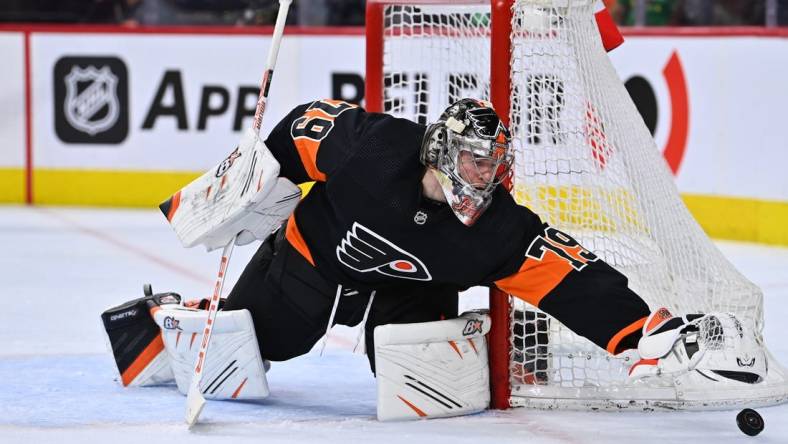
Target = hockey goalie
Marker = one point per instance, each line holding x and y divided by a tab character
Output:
400	219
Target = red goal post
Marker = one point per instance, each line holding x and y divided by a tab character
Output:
586	164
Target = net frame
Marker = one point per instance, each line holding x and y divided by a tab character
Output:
504	309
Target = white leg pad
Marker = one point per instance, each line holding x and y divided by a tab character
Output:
432	369
233	367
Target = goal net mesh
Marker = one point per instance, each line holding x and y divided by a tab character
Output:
585	163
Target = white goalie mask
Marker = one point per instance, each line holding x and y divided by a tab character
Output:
468	148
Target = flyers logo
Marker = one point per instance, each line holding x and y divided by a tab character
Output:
487	125
365	251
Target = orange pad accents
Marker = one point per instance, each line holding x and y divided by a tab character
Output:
457	349
174	204
418	411
238	390
473	346
660	316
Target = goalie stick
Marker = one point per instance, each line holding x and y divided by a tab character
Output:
195	401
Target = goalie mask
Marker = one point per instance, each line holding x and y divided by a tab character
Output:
468	148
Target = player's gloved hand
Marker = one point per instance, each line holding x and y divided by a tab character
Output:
714	346
662	330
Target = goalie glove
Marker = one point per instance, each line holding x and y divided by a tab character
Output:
242	195
717	347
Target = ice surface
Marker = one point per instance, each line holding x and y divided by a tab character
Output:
62	267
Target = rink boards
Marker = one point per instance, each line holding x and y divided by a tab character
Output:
120	117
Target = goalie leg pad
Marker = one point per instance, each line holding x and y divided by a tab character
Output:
136	341
432	369
233	368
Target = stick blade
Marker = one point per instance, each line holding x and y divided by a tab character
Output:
194	405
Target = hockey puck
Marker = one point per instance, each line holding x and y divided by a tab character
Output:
750	422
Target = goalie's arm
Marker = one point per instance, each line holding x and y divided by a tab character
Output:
315	138
559	276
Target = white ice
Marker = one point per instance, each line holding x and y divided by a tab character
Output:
62	267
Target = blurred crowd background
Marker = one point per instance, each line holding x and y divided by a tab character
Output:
351	12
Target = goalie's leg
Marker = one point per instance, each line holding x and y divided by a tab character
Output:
234	369
289	300
406	305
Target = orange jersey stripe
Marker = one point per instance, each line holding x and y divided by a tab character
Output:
307	148
624	332
297	241
307	151
536	278
149	354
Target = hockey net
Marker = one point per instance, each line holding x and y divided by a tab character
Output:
588	165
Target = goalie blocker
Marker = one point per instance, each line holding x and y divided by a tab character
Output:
242	196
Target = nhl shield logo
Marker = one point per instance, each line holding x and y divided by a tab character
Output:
91	100
91	103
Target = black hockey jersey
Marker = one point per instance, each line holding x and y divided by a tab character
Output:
366	224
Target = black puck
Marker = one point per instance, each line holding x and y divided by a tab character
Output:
749	422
